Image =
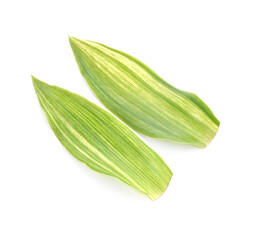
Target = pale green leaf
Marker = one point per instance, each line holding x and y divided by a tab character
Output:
143	100
101	141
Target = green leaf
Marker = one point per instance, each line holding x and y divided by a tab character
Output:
140	98
101	141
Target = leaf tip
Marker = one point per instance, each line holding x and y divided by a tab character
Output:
35	80
78	42
38	84
72	40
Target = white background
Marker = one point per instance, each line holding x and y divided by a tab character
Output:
205	47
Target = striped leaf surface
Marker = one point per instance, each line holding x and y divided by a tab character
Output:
101	141
143	100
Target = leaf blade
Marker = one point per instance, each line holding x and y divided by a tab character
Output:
101	141
140	98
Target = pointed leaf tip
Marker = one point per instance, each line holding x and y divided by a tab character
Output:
36	81
70	38
74	39
78	42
